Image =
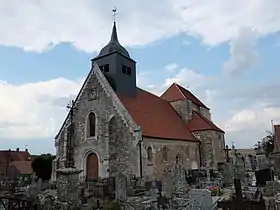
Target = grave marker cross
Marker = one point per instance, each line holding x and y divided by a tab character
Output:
227	154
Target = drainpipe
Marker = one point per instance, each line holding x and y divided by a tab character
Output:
200	159
140	158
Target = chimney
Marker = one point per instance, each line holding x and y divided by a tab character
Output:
26	150
17	149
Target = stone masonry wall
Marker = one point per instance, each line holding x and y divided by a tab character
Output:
183	107
104	109
123	155
211	151
188	151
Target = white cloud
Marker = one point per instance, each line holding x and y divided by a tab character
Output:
39	25
257	117
243	55
34	110
186	77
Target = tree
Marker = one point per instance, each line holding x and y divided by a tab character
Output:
42	166
267	143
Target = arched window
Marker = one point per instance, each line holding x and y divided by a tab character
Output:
150	154
165	153
91	124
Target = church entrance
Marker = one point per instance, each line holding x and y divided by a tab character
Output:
92	167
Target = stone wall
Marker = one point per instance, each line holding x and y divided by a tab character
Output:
185	107
211	148
104	104
188	151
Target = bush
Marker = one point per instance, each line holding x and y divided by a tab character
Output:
42	166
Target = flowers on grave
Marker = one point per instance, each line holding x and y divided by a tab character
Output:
216	191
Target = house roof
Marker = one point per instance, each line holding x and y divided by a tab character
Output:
176	92
24	167
201	123
156	116
14	156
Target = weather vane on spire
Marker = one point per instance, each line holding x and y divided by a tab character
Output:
114	13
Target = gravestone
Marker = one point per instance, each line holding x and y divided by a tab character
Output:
201	197
248	163
269	189
33	189
121	187
262	160
167	185
239	165
178	175
228	173
154	190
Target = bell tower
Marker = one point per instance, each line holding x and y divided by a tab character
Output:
117	66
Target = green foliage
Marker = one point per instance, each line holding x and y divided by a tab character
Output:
267	143
42	166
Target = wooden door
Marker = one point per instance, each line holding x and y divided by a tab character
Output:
92	167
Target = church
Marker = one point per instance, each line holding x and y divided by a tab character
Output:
116	126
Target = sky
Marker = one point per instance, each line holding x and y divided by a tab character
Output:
225	51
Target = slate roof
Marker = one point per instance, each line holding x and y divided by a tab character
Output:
156	117
176	92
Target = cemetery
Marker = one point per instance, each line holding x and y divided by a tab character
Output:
236	187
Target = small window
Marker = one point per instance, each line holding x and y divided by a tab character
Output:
105	68
128	71
164	154
124	69
91	124
150	154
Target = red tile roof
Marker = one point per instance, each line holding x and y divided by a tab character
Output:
176	92
201	123
14	156
24	167
156	117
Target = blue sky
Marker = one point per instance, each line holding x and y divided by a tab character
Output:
225	53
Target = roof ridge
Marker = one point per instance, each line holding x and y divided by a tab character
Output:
179	88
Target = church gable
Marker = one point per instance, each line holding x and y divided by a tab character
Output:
97	98
98	117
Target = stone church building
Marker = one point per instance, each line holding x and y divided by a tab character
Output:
118	127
